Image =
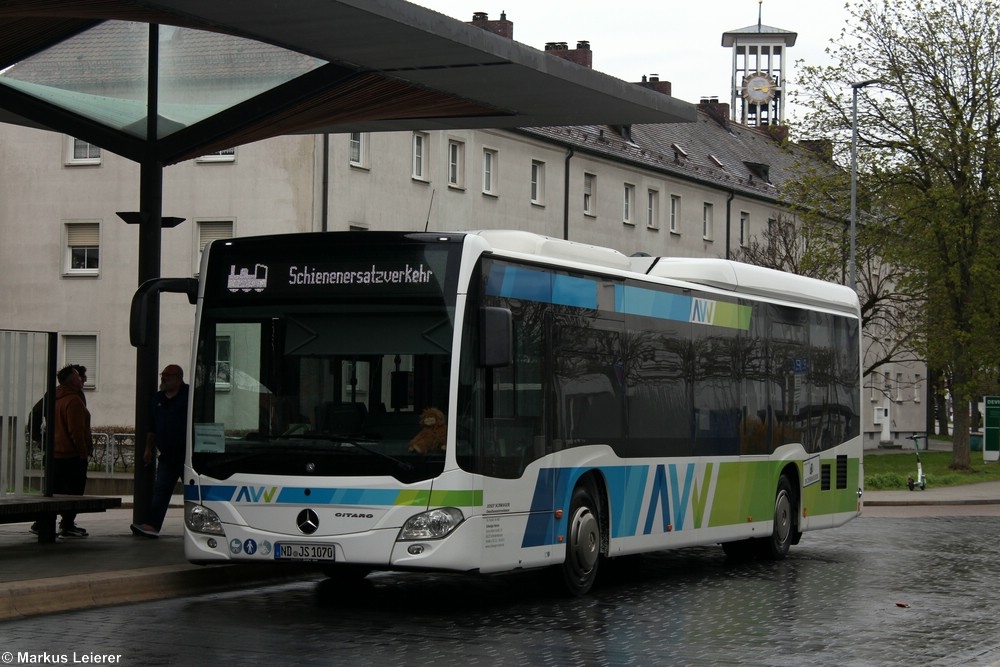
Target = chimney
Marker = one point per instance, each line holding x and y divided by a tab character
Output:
822	147
581	55
718	112
779	133
503	27
654	83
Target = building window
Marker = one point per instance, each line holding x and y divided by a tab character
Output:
357	149
589	194
81	350
490	160
537	182
225	155
675	214
79	152
223	363
652	209
83	248
707	221
420	141
456	164
916	388
628	203
899	387
744	227
208	231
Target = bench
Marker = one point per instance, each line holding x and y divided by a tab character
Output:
43	509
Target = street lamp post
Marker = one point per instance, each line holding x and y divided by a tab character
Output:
852	267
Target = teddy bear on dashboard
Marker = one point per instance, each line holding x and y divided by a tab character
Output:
431	437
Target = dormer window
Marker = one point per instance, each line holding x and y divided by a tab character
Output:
679	153
759	170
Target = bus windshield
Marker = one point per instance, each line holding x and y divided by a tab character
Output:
327	382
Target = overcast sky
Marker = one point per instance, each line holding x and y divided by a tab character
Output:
679	41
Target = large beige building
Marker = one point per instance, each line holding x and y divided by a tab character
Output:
68	262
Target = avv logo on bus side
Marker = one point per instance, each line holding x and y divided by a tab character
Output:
702	311
669	497
256	494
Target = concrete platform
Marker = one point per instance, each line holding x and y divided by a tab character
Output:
112	566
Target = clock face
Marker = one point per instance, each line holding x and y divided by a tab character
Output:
758	88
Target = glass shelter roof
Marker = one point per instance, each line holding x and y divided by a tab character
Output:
103	74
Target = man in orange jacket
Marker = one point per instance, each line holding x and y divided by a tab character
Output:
73	444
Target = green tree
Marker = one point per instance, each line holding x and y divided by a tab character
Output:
928	160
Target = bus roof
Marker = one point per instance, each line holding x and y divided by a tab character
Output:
722	274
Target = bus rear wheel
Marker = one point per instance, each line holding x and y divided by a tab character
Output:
583	542
776	546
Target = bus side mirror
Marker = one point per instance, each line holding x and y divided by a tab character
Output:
496	337
144	300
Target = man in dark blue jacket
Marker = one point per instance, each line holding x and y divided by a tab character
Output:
168	419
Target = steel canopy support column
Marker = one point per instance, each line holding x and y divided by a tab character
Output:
150	221
151	212
147	358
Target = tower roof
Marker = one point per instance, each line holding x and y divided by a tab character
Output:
751	33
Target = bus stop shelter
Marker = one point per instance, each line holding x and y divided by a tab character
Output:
163	81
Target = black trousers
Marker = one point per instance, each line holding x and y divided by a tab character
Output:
69	477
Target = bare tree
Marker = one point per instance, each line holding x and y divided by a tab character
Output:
812	244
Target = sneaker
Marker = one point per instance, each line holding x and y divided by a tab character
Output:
144	530
73	531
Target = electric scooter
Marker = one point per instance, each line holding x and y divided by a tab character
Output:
921	479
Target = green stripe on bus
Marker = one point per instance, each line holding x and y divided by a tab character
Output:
732	315
450	498
755	483
467	498
413	498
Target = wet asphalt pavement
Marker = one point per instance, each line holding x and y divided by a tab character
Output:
883	590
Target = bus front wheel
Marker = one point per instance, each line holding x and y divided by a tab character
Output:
775	547
583	542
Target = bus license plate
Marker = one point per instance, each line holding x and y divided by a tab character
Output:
292	551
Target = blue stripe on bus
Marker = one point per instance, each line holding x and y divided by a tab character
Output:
570	291
551	486
625	485
207	493
517	282
291	495
315	496
626	494
652	303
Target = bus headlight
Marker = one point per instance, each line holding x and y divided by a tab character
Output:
431	525
200	519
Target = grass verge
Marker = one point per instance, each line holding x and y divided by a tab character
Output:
888	472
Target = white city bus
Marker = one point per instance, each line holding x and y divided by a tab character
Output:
594	405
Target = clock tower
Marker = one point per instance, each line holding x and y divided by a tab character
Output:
758	75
